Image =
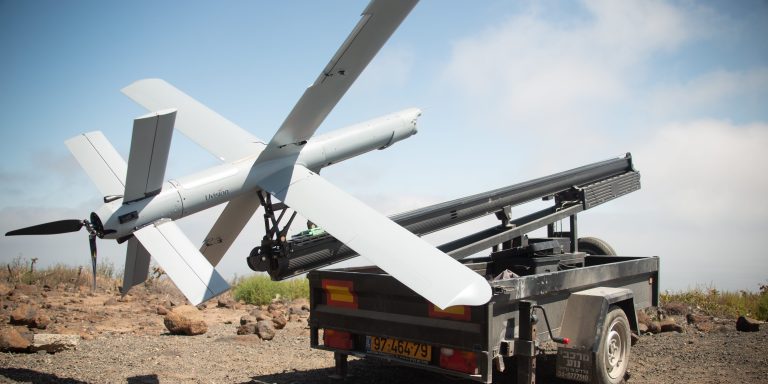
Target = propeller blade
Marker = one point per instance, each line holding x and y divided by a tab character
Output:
92	243
52	228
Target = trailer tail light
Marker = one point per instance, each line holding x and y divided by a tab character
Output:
457	312
337	339
458	360
340	293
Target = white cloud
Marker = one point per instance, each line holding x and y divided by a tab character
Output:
558	77
708	171
710	91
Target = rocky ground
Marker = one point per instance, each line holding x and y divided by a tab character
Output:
127	341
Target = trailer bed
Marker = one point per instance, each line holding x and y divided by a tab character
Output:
366	313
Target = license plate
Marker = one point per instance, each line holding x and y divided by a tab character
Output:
400	348
574	364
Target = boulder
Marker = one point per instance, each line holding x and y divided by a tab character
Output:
30	316
669	325
41	320
53	343
246	329
643	318
265	330
746	324
12	341
259	314
185	320
226	303
279	321
692	318
299	311
246	319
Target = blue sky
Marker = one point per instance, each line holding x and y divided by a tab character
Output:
510	91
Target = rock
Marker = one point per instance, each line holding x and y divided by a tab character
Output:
185	320
12	341
246	319
275	307
669	325
265	330
161	310
695	319
299	311
642	327
24	314
53	343
279	321
41	321
746	324
259	315
226	303
643	318
247	329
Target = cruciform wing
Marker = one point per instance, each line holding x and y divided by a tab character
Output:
408	258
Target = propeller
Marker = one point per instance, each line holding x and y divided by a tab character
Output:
52	228
64	226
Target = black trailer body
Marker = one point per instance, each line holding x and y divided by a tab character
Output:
357	310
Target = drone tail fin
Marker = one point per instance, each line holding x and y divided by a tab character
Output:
100	161
195	277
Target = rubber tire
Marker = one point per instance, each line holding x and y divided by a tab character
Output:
595	246
614	350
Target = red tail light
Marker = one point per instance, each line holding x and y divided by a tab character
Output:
458	360
337	339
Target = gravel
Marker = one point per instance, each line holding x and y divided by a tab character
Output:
127	343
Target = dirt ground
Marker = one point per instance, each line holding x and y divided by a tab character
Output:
125	341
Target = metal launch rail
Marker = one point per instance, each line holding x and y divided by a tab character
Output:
570	290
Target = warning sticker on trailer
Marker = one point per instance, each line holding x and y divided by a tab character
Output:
575	364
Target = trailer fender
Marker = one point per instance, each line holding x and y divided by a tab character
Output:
585	313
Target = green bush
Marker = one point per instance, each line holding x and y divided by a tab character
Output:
259	289
722	303
762	306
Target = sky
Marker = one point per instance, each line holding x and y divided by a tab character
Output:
510	91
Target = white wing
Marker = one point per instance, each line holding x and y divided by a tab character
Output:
408	258
100	161
181	260
228	226
379	21
205	127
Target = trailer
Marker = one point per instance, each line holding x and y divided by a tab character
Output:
560	288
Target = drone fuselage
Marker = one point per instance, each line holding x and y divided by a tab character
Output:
191	194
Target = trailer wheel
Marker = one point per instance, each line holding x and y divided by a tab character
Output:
613	353
595	246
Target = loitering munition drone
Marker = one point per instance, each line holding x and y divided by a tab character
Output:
139	207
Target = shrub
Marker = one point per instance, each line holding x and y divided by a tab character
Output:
259	289
722	303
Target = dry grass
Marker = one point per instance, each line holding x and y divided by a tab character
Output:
723	303
25	271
